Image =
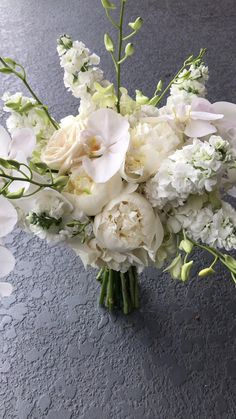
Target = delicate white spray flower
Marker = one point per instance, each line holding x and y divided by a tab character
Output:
194	169
8	220
214	227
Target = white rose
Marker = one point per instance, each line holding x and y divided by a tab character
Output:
88	196
129	223
149	146
64	147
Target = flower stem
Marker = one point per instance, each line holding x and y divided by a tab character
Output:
126	306
104	287
120	40
136	289
110	291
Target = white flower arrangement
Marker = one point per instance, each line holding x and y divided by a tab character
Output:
126	183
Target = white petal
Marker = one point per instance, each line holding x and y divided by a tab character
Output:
110	125
5	141
205	116
226	108
103	168
7	262
199	129
23	140
8	217
5	289
232	192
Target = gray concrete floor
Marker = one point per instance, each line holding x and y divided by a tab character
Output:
61	356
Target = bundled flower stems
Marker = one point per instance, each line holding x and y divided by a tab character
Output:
125	182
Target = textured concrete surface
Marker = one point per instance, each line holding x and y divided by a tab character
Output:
61	356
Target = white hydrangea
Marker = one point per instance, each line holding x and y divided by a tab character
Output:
80	66
194	169
214	227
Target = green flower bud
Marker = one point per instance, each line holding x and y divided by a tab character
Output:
137	24
65	41
108	43
185	271
140	98
16	195
60	182
129	50
159	86
108	5
231	262
206	271
186	245
175	267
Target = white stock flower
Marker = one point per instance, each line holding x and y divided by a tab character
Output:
194	169
127	224
79	66
191	81
88	196
214	227
149	146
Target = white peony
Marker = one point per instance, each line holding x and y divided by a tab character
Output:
128	223
88	196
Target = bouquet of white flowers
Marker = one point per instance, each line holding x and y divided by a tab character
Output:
126	183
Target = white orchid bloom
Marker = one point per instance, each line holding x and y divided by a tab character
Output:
8	219
20	148
195	120
106	141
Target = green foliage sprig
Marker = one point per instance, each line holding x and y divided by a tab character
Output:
12	171
9	66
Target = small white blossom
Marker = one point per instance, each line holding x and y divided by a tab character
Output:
216	228
194	169
80	67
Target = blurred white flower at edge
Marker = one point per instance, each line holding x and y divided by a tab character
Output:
8	219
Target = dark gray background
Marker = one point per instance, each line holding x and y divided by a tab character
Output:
61	356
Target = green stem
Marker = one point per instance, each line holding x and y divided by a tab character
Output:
104	287
13	178
124	294
120	40
110	291
129	36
